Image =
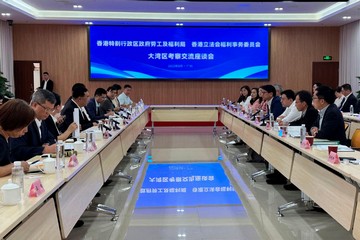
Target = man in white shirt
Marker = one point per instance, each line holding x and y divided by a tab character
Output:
124	98
291	113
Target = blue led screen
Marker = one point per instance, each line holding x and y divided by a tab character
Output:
178	53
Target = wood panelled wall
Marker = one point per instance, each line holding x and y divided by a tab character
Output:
63	52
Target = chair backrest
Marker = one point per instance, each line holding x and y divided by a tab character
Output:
355	139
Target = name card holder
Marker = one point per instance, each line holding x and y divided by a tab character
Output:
36	188
73	162
334	158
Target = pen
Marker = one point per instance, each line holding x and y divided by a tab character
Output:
34	162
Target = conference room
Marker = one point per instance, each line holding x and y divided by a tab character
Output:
181	160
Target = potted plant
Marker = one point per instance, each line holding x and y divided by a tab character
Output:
4	87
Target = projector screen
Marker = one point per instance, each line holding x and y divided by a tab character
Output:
178	53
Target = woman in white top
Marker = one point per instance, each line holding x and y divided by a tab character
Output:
339	96
245	98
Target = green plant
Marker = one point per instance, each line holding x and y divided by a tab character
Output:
4	87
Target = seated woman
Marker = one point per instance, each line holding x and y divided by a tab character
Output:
263	103
245	98
255	100
55	119
15	116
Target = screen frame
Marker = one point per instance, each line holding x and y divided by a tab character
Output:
178	79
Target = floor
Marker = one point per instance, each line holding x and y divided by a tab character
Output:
189	186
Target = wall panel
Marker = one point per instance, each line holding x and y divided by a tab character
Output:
63	52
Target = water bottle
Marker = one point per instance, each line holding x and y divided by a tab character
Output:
272	120
223	101
60	154
351	110
261	114
302	133
17	175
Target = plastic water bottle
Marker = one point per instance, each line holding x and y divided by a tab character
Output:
272	120
351	110
302	133
17	175
60	154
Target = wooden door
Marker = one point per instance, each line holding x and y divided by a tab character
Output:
326	73
24	79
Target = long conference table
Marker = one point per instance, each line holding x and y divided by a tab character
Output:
68	193
338	196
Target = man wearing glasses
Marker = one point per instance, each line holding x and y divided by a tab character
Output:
330	122
38	140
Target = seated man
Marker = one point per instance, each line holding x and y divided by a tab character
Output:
291	113
349	99
124	98
93	106
79	99
273	101
116	89
54	121
309	114
38	140
107	105
330	123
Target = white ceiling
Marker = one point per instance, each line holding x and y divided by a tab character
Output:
195	13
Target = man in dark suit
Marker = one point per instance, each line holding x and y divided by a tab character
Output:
79	99
330	122
274	102
349	99
47	83
108	105
303	103
38	140
93	106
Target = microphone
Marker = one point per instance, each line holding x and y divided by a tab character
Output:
107	128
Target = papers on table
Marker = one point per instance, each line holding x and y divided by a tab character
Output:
341	148
294	131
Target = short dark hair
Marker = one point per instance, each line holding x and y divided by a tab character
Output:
99	92
338	89
346	86
326	93
15	114
76	85
289	94
46	73
304	96
57	99
127	86
116	87
79	91
43	95
317	84
269	88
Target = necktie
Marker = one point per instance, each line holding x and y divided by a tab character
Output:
342	103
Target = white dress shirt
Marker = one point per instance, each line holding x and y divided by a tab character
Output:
124	100
339	100
246	102
38	124
291	113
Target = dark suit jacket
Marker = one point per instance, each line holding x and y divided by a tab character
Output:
49	85
308	119
350	101
332	127
107	105
30	144
91	108
51	126
276	107
68	111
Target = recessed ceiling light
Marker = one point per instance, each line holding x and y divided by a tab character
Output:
267	24
180	8
179	24
5	14
346	17
77	6
89	23
279	9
